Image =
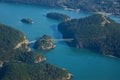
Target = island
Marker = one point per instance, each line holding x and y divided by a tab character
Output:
44	43
97	33
19	62
58	16
27	20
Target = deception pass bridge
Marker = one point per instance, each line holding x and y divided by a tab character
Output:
55	40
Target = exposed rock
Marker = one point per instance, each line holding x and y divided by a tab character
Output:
105	20
1	63
40	59
24	42
69	76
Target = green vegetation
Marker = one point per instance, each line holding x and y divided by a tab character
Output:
44	43
96	32
108	6
22	71
17	62
58	16
31	71
9	39
27	20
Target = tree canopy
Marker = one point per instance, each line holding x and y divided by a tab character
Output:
97	33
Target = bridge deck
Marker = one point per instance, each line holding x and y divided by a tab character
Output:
57	40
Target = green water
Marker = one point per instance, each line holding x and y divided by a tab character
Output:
82	63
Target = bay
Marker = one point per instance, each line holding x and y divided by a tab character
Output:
82	63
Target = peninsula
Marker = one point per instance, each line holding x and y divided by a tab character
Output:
96	32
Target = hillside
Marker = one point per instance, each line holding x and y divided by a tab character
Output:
18	62
14	46
22	71
97	33
108	6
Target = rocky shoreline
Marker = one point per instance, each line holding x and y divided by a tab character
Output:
44	43
69	76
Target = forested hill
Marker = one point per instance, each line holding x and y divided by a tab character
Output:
97	33
18	62
108	6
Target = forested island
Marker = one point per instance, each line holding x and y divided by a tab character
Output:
18	62
96	32
107	6
27	20
44	43
58	16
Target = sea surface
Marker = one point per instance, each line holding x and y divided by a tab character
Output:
82	63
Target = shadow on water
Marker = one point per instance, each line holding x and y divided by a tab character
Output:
57	34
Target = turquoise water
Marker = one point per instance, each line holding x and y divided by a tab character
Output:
82	63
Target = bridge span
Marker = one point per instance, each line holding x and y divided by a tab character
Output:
55	40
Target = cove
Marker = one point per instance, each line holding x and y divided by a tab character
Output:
82	63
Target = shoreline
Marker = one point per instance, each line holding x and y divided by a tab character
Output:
69	76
